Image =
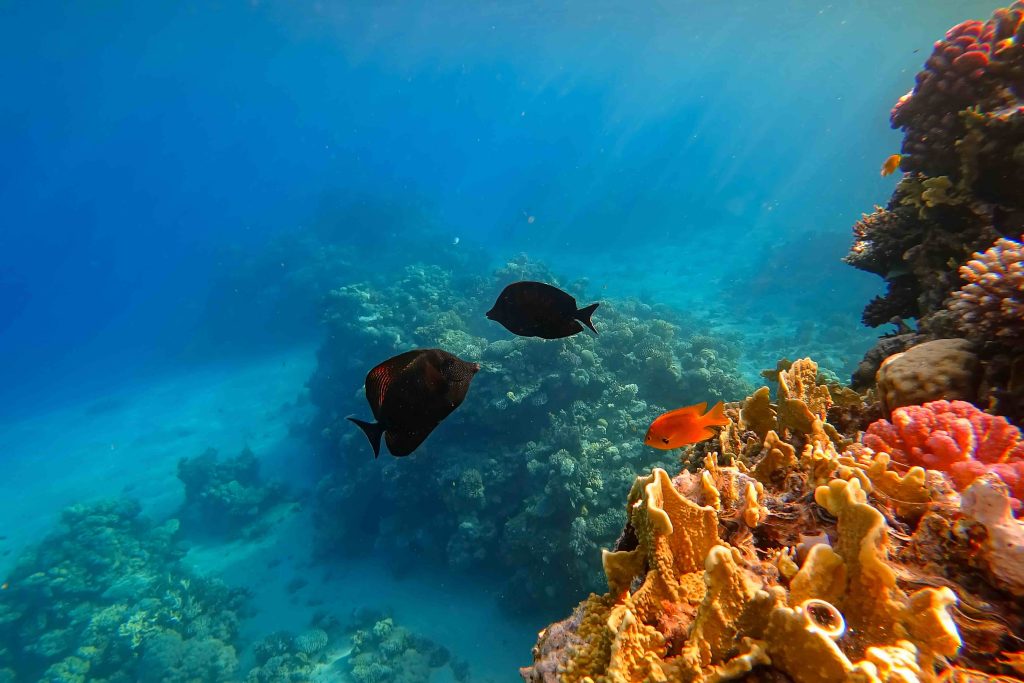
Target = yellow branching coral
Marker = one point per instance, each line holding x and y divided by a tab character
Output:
753	512
636	649
822	577
819	459
803	651
657	511
908	493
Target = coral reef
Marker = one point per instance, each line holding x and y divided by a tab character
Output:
977	64
371	648
385	652
486	495
811	557
940	242
226	498
990	307
105	598
956	438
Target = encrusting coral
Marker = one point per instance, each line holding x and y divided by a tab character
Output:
837	576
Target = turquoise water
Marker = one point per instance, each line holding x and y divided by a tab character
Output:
218	218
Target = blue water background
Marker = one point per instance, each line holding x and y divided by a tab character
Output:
680	148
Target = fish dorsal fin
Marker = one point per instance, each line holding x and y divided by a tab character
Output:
696	410
378	379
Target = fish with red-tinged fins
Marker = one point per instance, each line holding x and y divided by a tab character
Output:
411	394
685	426
535	309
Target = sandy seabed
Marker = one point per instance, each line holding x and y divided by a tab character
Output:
129	443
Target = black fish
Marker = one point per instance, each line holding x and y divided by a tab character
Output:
534	309
410	394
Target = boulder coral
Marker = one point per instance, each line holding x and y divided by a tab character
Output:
808	557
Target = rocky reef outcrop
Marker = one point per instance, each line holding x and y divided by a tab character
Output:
948	243
227	498
548	438
106	598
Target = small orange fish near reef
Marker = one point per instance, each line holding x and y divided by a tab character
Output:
890	165
685	426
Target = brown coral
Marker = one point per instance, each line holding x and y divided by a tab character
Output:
940	369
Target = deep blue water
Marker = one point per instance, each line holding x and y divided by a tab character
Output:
160	161
139	139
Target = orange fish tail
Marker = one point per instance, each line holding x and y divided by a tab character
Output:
716	416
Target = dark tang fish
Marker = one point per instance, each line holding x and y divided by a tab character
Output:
534	309
410	394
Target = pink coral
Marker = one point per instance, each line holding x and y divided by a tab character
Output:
976	64
954	437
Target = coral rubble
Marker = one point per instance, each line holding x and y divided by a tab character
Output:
811	557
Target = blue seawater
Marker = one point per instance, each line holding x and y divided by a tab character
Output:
216	217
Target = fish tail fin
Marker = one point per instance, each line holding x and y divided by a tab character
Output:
716	416
583	315
373	433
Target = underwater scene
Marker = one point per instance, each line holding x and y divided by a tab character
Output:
567	342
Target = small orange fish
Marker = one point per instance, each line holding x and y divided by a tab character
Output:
890	165
684	426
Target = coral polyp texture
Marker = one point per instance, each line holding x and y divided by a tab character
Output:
945	243
809	557
991	303
976	64
956	438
